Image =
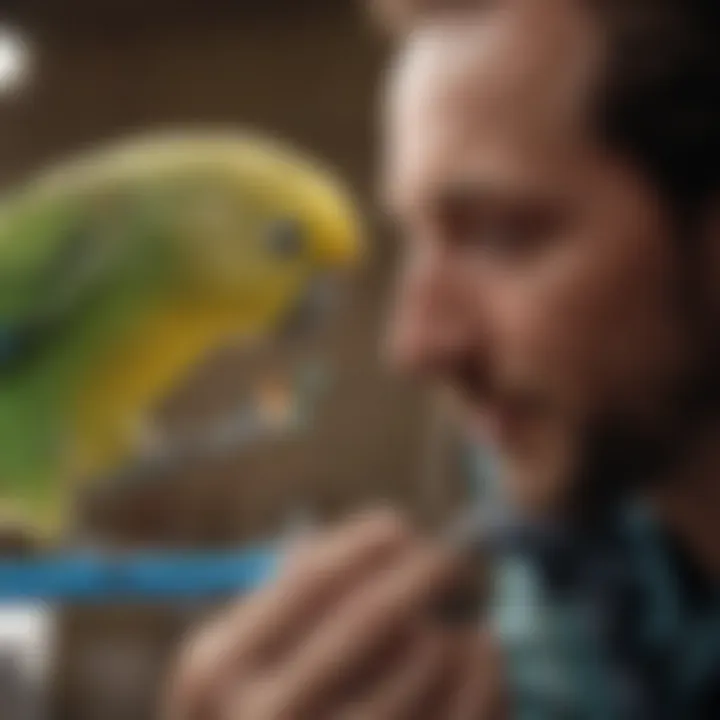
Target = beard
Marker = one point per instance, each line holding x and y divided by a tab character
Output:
622	452
624	457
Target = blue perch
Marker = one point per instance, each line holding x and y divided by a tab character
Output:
147	577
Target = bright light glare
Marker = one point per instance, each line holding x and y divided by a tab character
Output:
15	60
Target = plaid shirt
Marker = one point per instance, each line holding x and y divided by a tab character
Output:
613	624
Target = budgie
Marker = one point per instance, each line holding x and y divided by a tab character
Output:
122	269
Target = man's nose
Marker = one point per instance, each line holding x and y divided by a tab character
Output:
431	324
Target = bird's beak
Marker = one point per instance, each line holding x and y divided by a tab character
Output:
341	239
319	302
338	249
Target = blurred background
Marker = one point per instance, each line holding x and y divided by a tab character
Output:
78	72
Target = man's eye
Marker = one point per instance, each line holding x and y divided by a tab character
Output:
504	238
509	236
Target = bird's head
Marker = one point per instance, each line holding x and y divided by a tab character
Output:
268	233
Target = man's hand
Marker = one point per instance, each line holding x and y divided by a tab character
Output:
345	633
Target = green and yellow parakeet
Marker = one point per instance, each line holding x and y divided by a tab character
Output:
121	270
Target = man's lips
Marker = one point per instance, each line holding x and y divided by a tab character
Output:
497	419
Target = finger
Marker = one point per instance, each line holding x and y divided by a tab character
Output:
261	621
480	692
400	694
442	694
345	641
183	698
251	703
351	534
323	570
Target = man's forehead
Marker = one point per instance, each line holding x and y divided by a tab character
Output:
523	41
508	78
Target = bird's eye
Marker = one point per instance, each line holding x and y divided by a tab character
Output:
286	239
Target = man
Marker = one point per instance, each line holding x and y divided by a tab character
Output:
553	168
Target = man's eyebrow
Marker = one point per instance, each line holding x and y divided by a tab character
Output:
394	201
463	194
477	197
478	193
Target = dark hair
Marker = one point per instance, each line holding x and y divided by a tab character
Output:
660	97
659	100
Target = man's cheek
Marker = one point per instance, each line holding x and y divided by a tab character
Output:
581	329
633	345
542	348
522	334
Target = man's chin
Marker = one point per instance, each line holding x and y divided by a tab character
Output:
535	474
510	426
535	492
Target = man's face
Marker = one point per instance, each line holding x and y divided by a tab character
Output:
540	274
